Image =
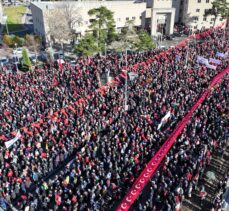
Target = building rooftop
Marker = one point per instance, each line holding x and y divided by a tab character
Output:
43	5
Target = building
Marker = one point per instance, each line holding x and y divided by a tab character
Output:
193	14
162	17
1	14
123	11
156	16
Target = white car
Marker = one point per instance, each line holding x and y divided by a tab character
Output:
17	51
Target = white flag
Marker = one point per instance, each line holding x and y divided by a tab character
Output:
12	141
223	55
215	61
202	60
132	75
211	66
164	120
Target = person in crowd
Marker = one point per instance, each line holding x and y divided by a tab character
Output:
64	113
189	156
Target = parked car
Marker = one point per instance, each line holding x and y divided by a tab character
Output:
169	37
33	59
43	57
4	61
72	63
177	34
58	55
17	51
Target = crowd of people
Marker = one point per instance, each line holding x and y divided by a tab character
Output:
183	168
60	113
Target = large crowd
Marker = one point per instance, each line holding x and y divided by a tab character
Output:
183	167
61	113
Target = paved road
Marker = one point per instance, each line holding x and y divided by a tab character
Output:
169	43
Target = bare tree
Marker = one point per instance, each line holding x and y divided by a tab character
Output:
58	31
72	16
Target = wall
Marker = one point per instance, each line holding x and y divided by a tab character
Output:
162	3
195	9
176	4
38	20
1	14
123	10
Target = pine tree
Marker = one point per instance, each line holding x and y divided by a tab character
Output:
25	57
219	8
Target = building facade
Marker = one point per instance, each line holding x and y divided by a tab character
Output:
156	16
162	17
1	14
193	11
123	11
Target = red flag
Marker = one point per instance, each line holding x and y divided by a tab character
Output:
124	74
2	137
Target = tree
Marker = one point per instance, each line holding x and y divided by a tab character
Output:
87	46
118	46
219	8
72	17
50	55
7	40
17	40
58	31
145	41
33	42
25	58
103	25
129	36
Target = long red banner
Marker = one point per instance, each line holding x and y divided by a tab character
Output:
153	164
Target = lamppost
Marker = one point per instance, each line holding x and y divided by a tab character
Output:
125	102
16	56
105	50
5	19
186	59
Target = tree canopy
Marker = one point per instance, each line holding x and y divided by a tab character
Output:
219	8
103	25
87	46
25	57
145	41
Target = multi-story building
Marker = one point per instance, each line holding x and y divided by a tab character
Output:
123	11
1	14
193	14
156	16
162	16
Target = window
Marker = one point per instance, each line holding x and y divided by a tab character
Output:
195	27
119	19
196	18
127	19
207	1
212	19
140	17
197	10
199	1
133	18
221	19
204	19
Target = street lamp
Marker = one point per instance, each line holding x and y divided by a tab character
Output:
186	59
5	20
105	50
125	101
16	59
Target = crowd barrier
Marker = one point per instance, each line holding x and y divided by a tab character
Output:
153	164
